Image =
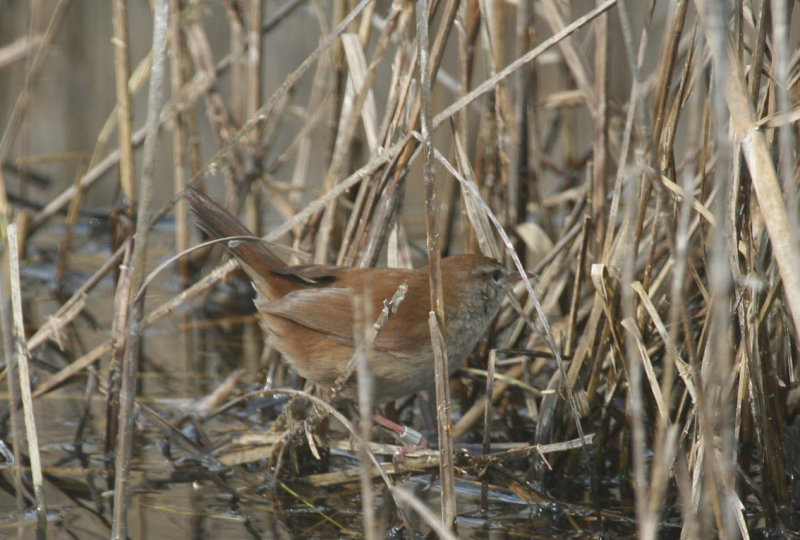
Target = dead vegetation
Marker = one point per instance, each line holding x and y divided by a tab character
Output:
640	159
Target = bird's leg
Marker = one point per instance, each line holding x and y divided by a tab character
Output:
411	438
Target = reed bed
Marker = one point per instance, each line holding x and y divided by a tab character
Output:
639	160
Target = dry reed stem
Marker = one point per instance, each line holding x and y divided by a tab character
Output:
693	274
488	415
19	49
122	70
22	361
436	315
133	325
179	72
363	341
10	370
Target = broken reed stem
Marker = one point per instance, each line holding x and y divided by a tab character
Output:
119	328
389	309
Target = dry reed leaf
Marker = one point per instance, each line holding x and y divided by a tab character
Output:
655	388
779	119
356	77
476	207
572	57
683	368
697	205
536	240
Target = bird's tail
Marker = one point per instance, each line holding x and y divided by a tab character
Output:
254	256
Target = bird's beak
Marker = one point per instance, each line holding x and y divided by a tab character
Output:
515	277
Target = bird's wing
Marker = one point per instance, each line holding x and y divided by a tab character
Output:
325	310
329	310
315	274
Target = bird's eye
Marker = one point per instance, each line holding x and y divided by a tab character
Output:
498	276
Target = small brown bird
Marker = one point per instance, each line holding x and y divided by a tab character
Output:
307	311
